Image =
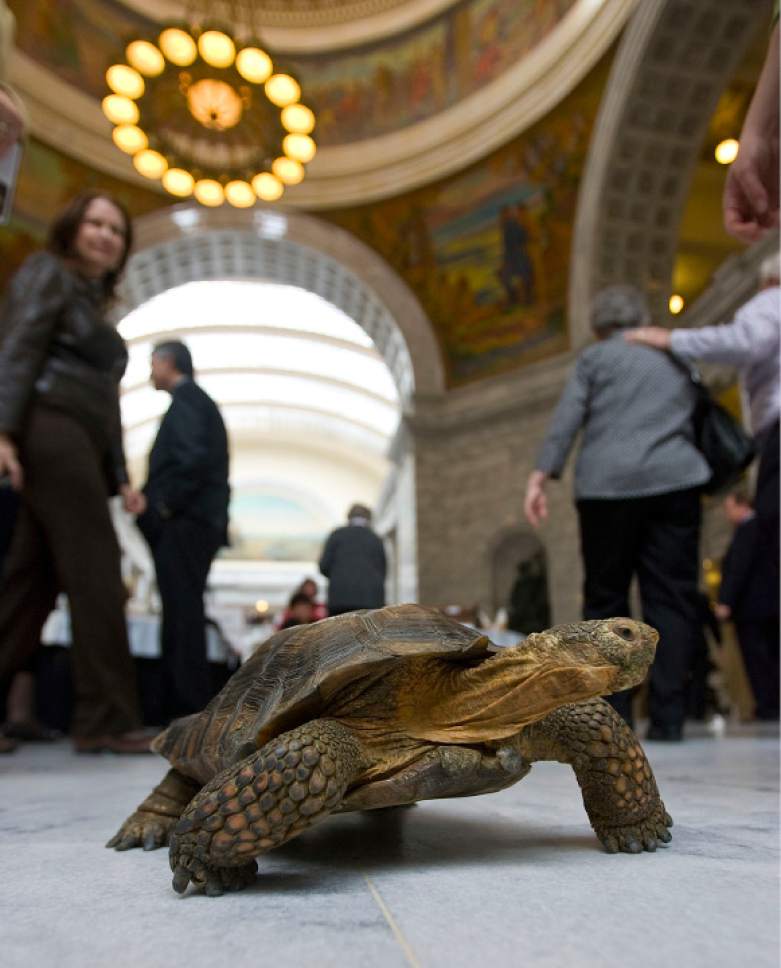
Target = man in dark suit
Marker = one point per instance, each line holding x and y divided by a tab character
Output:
353	561
749	598
186	521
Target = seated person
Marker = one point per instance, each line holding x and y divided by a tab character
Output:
299	611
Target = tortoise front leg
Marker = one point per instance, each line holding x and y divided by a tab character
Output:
293	782
619	790
150	824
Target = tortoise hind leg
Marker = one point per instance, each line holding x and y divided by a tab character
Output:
149	826
293	782
619	790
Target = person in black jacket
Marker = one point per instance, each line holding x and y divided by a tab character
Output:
185	522
61	447
353	561
749	598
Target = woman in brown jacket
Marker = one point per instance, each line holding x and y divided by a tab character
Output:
61	446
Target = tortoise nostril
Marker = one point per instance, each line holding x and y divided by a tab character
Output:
625	632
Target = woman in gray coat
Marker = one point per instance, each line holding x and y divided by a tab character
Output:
637	483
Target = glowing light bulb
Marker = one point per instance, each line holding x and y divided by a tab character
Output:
727	151
240	194
282	89
149	163
254	65
676	304
217	48
299	147
178	182
178	46
125	81
298	119
120	110
288	171
209	192
129	138
145	57
267	187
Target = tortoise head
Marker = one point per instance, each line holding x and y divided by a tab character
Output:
622	644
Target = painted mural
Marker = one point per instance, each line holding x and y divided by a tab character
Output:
358	94
266	525
487	251
47	181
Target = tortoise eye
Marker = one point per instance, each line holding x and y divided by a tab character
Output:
625	632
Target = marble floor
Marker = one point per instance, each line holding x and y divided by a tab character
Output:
512	879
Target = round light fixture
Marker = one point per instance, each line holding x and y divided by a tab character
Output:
676	304
214	104
120	110
178	182
240	194
282	89
145	57
149	163
178	46
298	119
216	48
129	138
288	171
727	151
209	192
254	65
299	147
267	187
125	81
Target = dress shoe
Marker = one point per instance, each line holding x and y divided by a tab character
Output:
7	745
670	733
122	744
30	731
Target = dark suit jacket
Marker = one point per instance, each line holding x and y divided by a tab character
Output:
746	576
188	464
353	560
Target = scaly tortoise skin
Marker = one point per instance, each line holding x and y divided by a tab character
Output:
384	708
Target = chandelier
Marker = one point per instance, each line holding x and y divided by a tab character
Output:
201	107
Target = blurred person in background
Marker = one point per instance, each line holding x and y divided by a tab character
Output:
61	361
299	611
353	561
748	596
637	492
185	522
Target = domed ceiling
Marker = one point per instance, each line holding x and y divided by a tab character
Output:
405	91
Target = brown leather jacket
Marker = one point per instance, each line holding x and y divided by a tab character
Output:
57	349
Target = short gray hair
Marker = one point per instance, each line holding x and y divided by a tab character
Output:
621	306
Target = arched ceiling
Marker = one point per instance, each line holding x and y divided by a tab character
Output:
411	105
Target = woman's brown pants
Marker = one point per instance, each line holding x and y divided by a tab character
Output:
64	541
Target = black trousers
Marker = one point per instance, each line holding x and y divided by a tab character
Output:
183	550
759	646
64	540
657	539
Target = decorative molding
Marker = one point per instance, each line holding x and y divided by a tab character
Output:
673	62
381	167
185	242
307	28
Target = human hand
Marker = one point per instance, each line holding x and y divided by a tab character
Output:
535	503
751	190
9	462
723	612
655	336
11	124
134	502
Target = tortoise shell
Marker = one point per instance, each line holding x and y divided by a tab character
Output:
291	677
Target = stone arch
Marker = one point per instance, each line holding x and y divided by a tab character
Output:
505	551
671	66
186	243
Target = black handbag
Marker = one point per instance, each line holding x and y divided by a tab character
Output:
721	440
